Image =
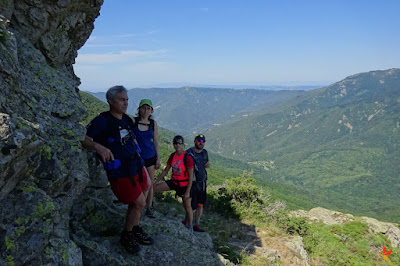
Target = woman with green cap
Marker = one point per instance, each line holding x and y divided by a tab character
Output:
147	137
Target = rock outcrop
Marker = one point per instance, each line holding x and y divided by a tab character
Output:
41	169
390	230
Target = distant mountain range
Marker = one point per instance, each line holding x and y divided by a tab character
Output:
238	86
339	144
187	110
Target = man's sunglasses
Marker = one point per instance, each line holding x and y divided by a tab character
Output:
202	141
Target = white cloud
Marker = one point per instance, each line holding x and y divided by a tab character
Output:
127	35
108	45
151	32
119	40
123	56
150	67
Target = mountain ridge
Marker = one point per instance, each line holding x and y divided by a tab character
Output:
188	109
334	137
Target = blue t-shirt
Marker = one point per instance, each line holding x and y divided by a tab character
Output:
145	141
118	136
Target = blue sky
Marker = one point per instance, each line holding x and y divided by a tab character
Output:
230	42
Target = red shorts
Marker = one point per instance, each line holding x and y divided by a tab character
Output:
124	189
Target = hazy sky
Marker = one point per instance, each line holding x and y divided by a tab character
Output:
230	42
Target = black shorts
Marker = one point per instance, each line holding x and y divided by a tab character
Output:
151	161
199	194
178	189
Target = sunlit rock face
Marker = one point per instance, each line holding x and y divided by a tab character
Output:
41	169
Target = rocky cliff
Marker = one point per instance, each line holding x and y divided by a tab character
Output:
41	169
51	213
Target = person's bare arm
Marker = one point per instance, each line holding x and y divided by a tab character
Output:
105	153
190	182
163	173
156	146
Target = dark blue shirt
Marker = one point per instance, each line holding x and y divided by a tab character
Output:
117	135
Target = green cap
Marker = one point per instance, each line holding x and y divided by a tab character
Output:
146	101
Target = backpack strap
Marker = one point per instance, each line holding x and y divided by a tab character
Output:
184	160
152	123
132	125
110	132
190	152
206	157
205	153
137	122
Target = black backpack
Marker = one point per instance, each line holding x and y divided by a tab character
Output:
205	155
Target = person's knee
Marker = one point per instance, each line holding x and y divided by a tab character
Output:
140	203
160	187
187	203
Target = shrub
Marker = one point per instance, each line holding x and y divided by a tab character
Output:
243	190
291	225
239	197
353	230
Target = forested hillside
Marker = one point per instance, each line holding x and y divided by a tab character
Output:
340	144
187	109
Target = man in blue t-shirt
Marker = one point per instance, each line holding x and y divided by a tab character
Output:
111	135
199	186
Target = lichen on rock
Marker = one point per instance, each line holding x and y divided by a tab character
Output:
41	169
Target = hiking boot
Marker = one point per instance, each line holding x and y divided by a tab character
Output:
198	228
141	237
190	228
184	222
149	213
129	243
